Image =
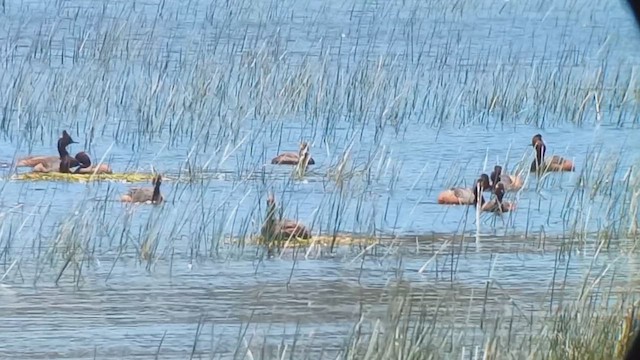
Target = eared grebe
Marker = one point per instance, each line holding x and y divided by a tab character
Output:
463	196
64	162
510	182
150	195
496	204
554	163
275	228
290	158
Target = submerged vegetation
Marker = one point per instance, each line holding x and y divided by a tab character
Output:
398	100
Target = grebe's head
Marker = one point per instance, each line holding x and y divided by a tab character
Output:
536	138
483	181
157	180
65	140
84	159
271	200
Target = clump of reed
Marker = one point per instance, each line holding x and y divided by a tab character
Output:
580	331
415	326
130	80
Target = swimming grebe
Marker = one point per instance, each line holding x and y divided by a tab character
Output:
64	162
463	196
150	195
510	182
281	229
45	162
293	158
555	163
84	165
67	161
497	204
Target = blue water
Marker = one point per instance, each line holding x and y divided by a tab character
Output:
416	96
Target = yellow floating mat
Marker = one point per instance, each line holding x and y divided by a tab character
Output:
326	240
57	176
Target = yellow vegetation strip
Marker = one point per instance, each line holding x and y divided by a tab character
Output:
325	240
56	176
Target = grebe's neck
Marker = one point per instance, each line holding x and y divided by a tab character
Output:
156	192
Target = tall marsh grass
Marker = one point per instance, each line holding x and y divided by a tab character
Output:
124	71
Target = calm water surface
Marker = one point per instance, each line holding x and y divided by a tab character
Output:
91	67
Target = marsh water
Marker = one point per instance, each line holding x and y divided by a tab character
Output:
399	101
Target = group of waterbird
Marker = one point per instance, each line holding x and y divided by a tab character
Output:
81	164
279	228
499	182
64	163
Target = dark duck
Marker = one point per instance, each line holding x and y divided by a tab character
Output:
68	162
290	158
495	205
510	182
147	195
275	228
553	163
463	196
42	162
64	162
